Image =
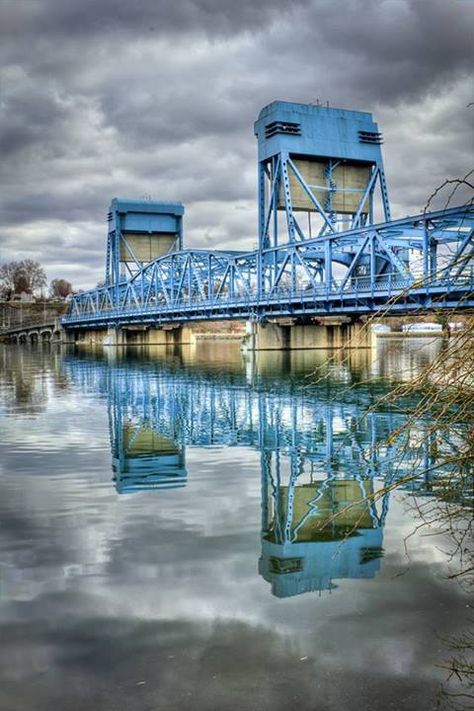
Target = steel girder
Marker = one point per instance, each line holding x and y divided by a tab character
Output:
274	182
174	282
426	260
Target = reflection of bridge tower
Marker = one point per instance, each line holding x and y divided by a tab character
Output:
144	457
318	454
319	532
322	524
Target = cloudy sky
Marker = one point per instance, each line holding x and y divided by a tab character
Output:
104	98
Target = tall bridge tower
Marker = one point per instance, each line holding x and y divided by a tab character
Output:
320	174
321	161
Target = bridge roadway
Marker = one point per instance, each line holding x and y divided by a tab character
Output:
425	262
397	296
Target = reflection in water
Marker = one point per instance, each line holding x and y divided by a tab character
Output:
405	358
326	470
26	390
318	531
143	457
151	598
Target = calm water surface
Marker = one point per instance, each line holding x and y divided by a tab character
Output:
189	530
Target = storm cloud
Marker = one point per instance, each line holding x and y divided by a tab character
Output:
102	98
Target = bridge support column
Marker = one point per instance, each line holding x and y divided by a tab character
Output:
176	336
87	338
330	333
114	337
63	337
266	337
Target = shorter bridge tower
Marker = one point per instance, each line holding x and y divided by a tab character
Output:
139	232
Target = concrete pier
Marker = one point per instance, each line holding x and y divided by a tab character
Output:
286	334
131	336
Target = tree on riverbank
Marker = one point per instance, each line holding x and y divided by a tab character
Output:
60	288
443	421
26	276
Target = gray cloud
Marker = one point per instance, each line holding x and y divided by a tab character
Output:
187	665
102	99
53	17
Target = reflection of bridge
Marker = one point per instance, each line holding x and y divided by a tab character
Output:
323	465
198	408
327	246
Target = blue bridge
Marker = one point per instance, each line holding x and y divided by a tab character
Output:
327	244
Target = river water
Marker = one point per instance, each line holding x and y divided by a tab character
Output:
195	530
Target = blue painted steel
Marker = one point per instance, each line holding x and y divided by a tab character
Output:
330	275
138	217
352	266
328	138
197	408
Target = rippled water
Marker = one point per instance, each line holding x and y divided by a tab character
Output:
191	530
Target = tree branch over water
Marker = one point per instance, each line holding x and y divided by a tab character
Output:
438	408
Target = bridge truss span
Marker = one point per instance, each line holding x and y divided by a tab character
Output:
422	261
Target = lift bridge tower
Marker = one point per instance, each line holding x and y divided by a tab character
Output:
140	231
321	161
320	172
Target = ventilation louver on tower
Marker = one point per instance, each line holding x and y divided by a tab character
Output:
370	137
288	127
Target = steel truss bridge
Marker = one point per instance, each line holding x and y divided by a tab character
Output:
321	251
296	279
